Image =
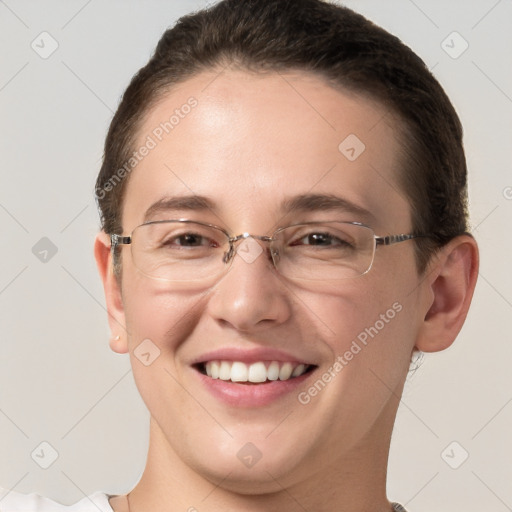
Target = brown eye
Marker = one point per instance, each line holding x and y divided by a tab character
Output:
190	240
320	239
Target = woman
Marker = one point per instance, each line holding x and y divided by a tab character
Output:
283	204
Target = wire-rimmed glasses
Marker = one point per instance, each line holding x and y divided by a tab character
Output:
186	251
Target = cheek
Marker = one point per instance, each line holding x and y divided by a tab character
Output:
370	329
369	332
154	311
363	309
158	322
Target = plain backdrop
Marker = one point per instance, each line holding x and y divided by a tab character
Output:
59	381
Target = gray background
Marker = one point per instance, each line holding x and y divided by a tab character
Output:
60	383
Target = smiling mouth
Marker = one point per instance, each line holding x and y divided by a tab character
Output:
254	373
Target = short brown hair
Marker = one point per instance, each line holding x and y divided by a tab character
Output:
336	44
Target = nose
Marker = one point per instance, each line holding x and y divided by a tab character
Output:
251	296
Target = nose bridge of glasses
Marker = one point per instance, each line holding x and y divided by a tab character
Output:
243	237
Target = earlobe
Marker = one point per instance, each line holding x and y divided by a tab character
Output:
118	344
451	281
113	297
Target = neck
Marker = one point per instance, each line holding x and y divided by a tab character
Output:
355	481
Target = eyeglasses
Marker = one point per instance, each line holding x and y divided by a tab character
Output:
185	250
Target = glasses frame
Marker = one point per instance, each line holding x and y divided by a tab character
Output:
118	240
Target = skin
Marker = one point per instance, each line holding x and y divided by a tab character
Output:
252	141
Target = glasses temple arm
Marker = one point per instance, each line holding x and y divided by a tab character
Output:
393	239
116	240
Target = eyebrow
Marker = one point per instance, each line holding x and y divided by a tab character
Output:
176	203
324	202
303	203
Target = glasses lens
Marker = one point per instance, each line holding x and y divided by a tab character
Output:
324	251
179	251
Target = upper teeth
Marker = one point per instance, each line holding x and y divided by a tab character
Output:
237	371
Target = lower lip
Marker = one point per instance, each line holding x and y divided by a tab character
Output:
251	395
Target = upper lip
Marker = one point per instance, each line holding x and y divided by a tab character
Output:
249	356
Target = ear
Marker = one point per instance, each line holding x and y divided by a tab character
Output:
450	282
113	296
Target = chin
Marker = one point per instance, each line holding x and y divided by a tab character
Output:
250	462
265	476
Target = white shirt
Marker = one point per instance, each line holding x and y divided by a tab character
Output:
12	501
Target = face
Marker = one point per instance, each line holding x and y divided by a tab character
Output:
249	146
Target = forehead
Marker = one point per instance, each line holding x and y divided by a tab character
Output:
252	142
